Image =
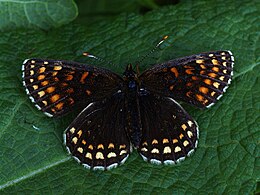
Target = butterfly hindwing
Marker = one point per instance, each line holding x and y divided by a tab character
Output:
199	79
169	132
56	86
97	138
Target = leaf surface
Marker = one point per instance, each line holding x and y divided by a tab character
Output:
32	156
36	13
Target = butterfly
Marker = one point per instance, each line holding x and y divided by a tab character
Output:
131	111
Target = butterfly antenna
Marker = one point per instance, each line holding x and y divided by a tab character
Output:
148	54
98	58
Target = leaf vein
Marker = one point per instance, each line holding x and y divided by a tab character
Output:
33	173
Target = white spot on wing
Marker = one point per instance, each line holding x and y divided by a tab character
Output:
98	168
76	159
144	158
219	97
48	114
112	166
64	138
32	99
27	91
208	106
225	88
155	161
37	106
168	162
198	131
86	166
24	62
180	160
232	58
123	161
190	152
229	81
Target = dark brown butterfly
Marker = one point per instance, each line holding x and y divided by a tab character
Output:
138	110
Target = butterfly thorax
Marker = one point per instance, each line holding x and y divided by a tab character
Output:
133	122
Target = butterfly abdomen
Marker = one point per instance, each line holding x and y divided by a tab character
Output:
133	120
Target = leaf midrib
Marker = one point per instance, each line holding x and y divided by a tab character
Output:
33	173
21	2
248	69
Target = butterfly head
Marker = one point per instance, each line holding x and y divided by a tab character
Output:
129	72
130	77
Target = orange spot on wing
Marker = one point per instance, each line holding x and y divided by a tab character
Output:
59	105
189	84
42	69
70	90
54	73
90	147
203	90
44	83
50	89
213	75
194	78
202	72
216	69
200	97
208	81
88	92
175	71
64	84
189	71
69	77
215	62
83	77
41	77
188	94
202	66
54	98
71	101
56	79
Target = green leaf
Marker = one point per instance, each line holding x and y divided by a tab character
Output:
32	155
42	14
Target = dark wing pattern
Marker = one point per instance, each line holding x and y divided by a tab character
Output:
97	138
169	132
199	79
55	86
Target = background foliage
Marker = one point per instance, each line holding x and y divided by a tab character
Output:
32	155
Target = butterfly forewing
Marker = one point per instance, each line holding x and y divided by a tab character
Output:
96	138
169	132
199	79
56	86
